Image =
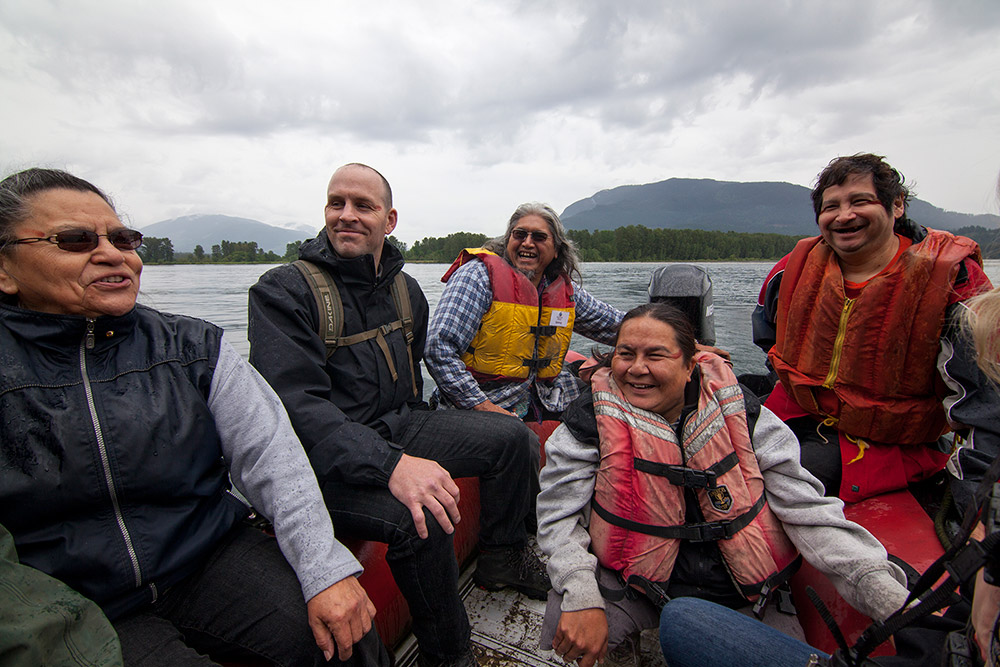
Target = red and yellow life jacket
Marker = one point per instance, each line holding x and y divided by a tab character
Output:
638	511
868	364
523	330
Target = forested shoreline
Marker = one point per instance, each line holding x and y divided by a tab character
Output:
633	243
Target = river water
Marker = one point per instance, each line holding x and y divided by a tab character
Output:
218	293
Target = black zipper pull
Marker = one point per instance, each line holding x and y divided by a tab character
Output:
90	334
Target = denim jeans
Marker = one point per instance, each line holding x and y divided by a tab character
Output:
490	446
244	604
698	633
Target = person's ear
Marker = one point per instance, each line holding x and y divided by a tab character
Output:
898	208
7	283
391	223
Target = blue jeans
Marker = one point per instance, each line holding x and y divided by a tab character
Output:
245	603
493	447
697	633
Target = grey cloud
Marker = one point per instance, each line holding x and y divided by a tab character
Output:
630	65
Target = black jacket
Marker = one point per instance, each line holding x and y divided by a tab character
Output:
106	482
347	410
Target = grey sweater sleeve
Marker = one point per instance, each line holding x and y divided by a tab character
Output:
849	555
567	485
269	467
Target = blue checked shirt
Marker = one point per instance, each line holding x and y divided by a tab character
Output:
464	302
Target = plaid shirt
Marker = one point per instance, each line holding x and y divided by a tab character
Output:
464	302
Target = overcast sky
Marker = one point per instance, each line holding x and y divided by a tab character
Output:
469	108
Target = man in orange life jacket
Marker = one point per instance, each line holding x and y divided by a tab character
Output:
856	324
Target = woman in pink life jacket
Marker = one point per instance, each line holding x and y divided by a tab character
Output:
658	485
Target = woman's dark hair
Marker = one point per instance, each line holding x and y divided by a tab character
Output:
17	189
889	183
669	315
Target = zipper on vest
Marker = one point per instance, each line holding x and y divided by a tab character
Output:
102	449
838	344
89	341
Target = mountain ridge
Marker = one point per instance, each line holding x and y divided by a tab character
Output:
207	230
703	203
676	203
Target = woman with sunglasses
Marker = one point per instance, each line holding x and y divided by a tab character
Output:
130	444
665	481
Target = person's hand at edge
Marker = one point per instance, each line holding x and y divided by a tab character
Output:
582	636
490	406
340	616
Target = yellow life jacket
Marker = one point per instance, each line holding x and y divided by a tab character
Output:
523	331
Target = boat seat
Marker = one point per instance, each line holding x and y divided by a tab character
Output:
899	522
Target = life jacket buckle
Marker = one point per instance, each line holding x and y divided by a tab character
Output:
762	599
698	479
967	561
715	531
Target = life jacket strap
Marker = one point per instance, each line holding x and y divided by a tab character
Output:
688	477
636	585
708	531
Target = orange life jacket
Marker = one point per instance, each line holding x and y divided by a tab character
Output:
523	330
868	364
638	511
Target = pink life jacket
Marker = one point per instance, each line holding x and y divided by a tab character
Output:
638	516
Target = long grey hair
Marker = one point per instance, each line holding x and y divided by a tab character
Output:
567	259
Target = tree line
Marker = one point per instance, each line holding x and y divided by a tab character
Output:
633	243
160	250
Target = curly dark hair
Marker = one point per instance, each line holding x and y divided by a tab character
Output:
889	183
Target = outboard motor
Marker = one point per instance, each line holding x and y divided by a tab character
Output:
689	288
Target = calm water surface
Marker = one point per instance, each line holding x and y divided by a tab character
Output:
218	293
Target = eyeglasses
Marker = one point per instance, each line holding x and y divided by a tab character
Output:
537	237
84	240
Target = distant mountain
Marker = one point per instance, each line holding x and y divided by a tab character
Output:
207	230
685	203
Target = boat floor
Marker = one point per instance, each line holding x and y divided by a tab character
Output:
506	627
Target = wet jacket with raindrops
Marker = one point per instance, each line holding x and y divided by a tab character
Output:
99	481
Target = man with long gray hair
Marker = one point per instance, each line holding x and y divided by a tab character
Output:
501	331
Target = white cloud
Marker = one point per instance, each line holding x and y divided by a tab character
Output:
244	108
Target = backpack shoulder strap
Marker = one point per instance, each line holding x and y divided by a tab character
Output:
328	303
331	316
404	310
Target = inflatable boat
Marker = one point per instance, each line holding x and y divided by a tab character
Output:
506	625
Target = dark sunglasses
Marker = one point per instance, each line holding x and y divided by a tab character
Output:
84	240
537	237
